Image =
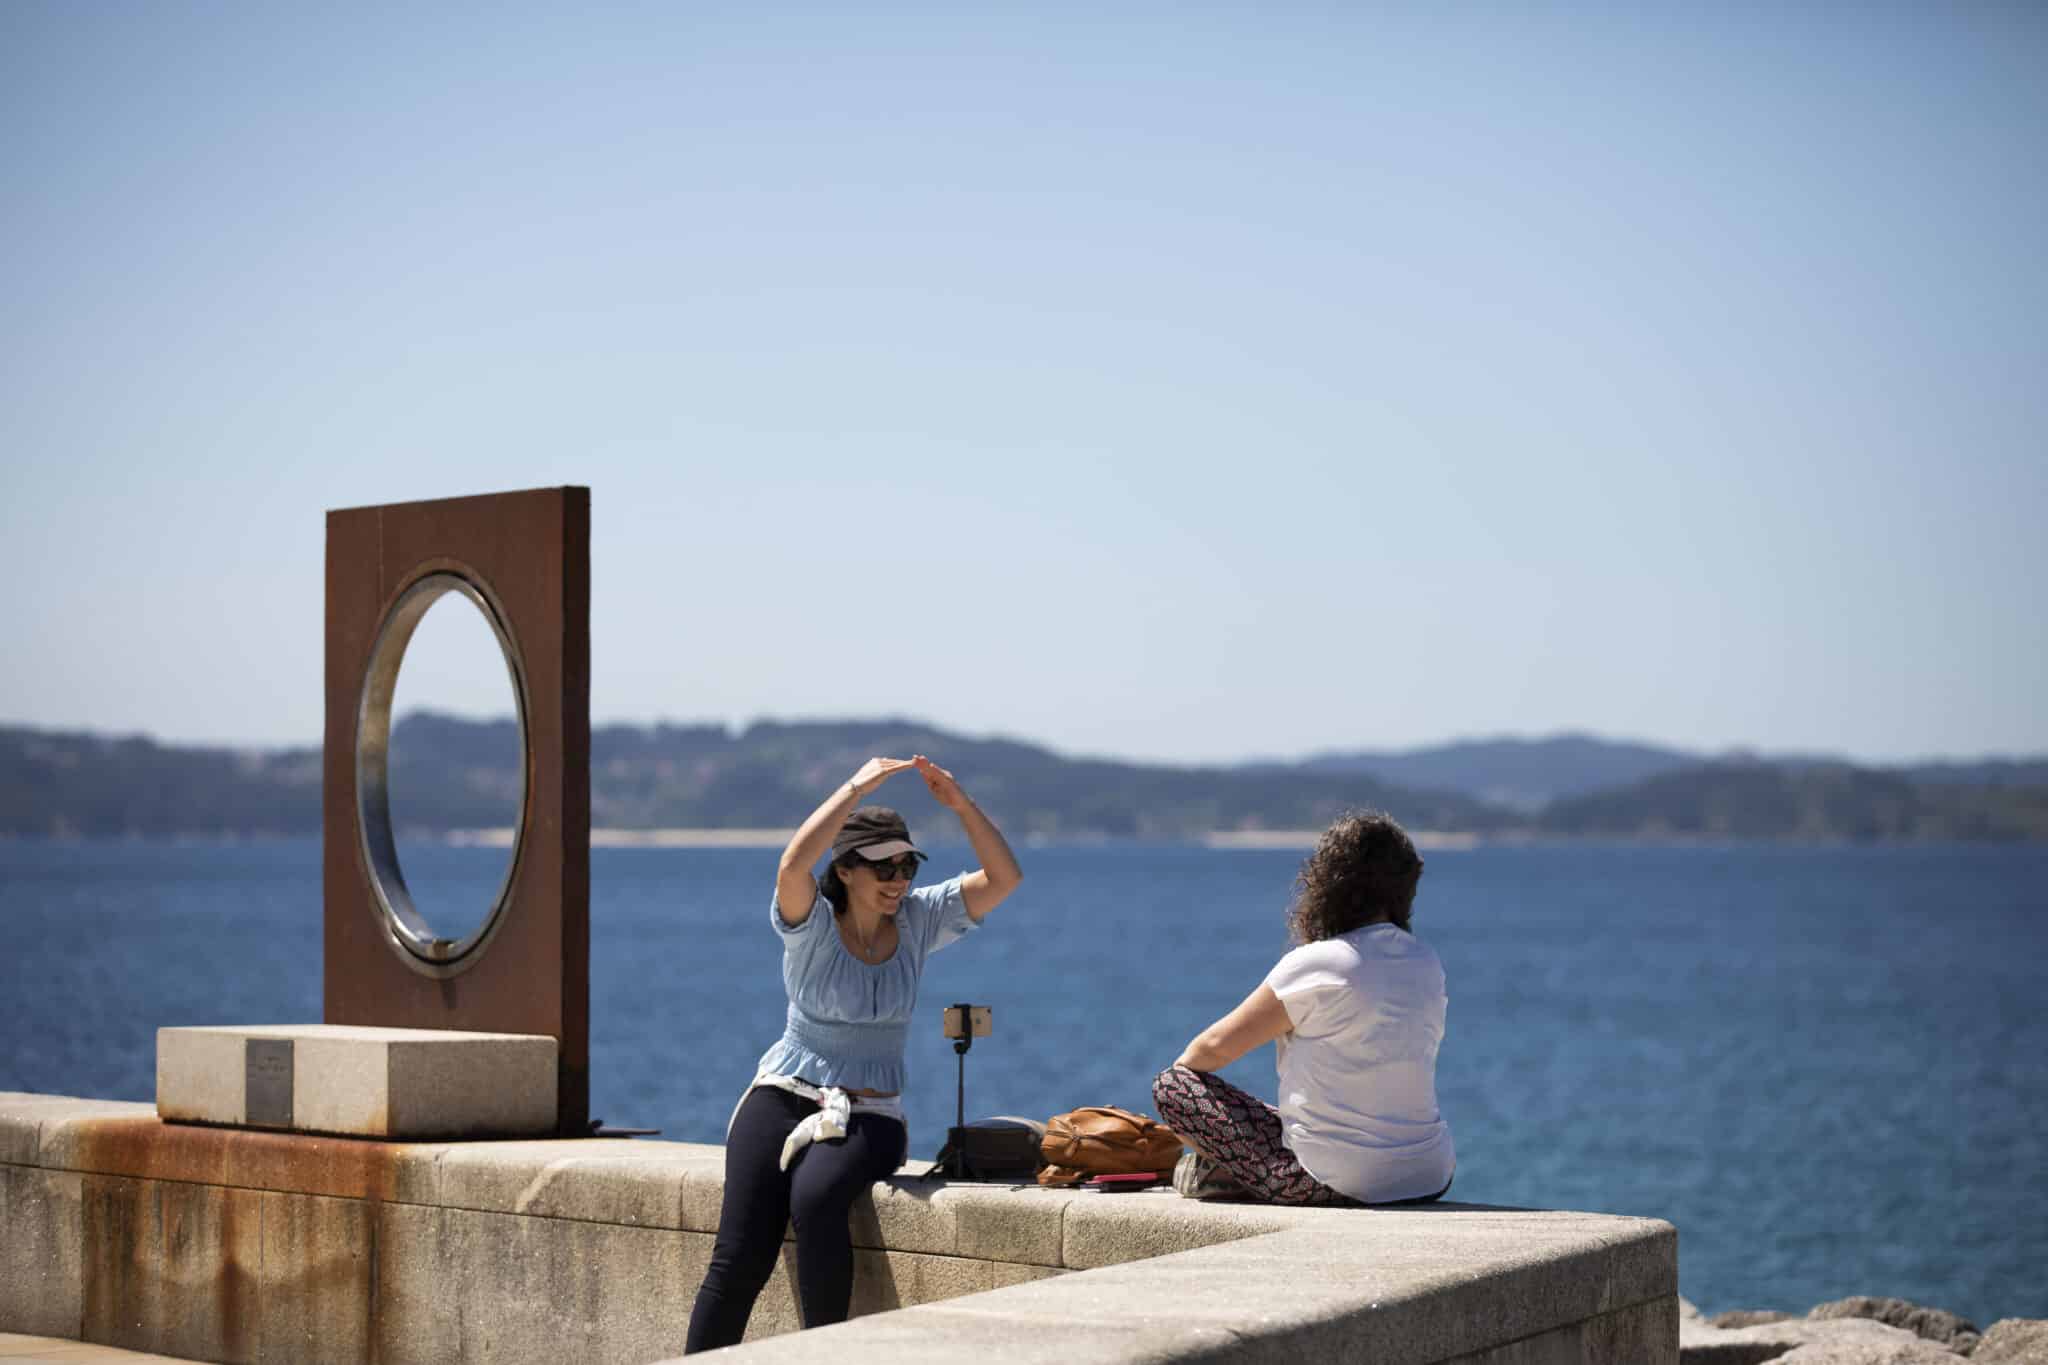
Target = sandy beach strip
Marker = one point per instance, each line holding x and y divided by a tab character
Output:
1305	839
639	838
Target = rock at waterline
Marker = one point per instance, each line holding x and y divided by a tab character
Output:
1930	1324
1701	1343
1749	1317
2014	1341
1912	1351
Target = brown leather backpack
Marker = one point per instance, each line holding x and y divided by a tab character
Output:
1104	1140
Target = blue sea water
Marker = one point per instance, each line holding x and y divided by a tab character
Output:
1827	1067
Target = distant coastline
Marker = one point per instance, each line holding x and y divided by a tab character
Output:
1226	841
699	837
501	837
702	786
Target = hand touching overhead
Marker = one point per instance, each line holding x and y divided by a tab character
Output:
945	790
876	771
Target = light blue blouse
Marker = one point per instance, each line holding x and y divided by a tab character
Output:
848	1020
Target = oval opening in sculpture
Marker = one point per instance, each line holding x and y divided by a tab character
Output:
417	942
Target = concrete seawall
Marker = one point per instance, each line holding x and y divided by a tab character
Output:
220	1244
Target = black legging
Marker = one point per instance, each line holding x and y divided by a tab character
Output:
760	1199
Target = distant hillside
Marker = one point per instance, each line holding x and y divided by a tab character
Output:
77	783
1758	800
448	773
773	773
1521	774
451	774
1983	772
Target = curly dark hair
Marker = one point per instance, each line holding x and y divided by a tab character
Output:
1364	869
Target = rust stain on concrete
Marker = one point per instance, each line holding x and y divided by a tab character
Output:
114	1216
294	1163
275	1261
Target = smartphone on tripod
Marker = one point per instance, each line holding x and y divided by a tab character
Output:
969	1022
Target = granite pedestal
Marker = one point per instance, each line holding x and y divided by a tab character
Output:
354	1081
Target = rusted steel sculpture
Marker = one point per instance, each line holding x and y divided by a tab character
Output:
524	560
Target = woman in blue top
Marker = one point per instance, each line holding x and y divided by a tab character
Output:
823	1119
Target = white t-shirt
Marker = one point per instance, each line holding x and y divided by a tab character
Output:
1358	1071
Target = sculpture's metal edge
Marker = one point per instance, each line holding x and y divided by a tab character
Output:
407	933
533	550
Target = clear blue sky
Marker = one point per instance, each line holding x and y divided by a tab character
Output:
1179	382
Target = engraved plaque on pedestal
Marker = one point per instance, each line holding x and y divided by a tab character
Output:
267	1083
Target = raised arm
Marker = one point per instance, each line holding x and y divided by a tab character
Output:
794	888
986	887
1258	1021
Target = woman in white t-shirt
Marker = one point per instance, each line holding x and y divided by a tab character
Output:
1357	1013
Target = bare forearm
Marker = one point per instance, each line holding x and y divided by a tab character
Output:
1204	1053
1257	1021
990	848
986	886
816	833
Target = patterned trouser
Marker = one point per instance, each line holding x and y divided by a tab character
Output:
1240	1133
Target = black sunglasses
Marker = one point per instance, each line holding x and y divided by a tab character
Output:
901	869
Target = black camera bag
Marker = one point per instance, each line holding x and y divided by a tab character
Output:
1002	1150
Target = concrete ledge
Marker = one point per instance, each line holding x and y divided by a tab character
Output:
1405	1287
40	1276
358	1082
238	1245
25	1117
121	1141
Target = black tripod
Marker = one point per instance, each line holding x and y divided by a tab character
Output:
955	1164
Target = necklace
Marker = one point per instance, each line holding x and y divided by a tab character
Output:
867	941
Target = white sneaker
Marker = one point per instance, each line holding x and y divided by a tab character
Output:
1197	1177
